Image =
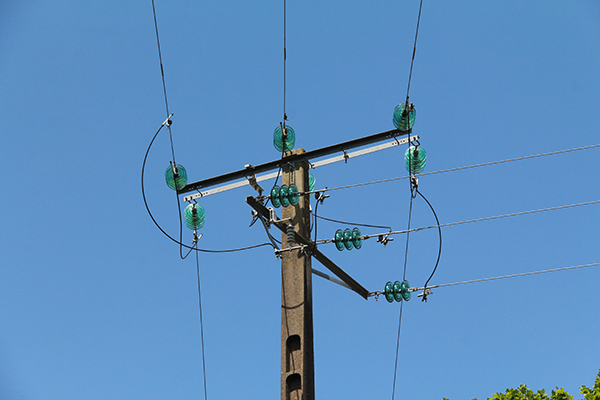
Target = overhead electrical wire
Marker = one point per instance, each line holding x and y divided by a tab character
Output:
511	276
284	91
201	321
427	289
406	106
437	262
452	169
365	237
349	223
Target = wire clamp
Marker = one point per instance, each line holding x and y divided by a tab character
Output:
254	217
346	157
321	196
384	239
196	237
426	292
414	183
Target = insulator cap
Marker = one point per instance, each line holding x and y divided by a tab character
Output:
290	139
389	292
415	159
194	216
177	179
356	240
284	196
293	195
404	290
338	239
275	190
348	239
404	118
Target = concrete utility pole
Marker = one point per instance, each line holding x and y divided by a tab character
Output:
297	349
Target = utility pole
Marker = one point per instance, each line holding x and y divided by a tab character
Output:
297	350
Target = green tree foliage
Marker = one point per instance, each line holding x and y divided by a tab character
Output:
524	393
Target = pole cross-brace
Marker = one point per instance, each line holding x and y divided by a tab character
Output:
322	258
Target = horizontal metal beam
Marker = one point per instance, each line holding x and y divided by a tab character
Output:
330	265
344	157
322	152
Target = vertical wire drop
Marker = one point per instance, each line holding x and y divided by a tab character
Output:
201	322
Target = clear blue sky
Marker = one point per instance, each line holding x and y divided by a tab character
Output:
95	302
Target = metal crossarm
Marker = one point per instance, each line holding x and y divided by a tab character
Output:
251	171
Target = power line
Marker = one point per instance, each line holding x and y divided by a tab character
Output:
364	237
413	55
201	322
511	276
162	73
406	105
454	169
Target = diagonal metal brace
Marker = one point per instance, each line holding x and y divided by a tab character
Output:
330	265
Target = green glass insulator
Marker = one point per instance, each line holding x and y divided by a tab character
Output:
194	216
177	179
290	139
404	290
415	159
293	194
404	119
397	291
311	183
284	196
348	239
338	239
389	292
356	240
275	196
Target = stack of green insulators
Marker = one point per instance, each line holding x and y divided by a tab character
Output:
177	180
397	291
311	183
347	239
415	159
404	120
284	195
194	216
290	139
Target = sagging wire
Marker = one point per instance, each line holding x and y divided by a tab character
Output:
157	224
440	248
348	223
